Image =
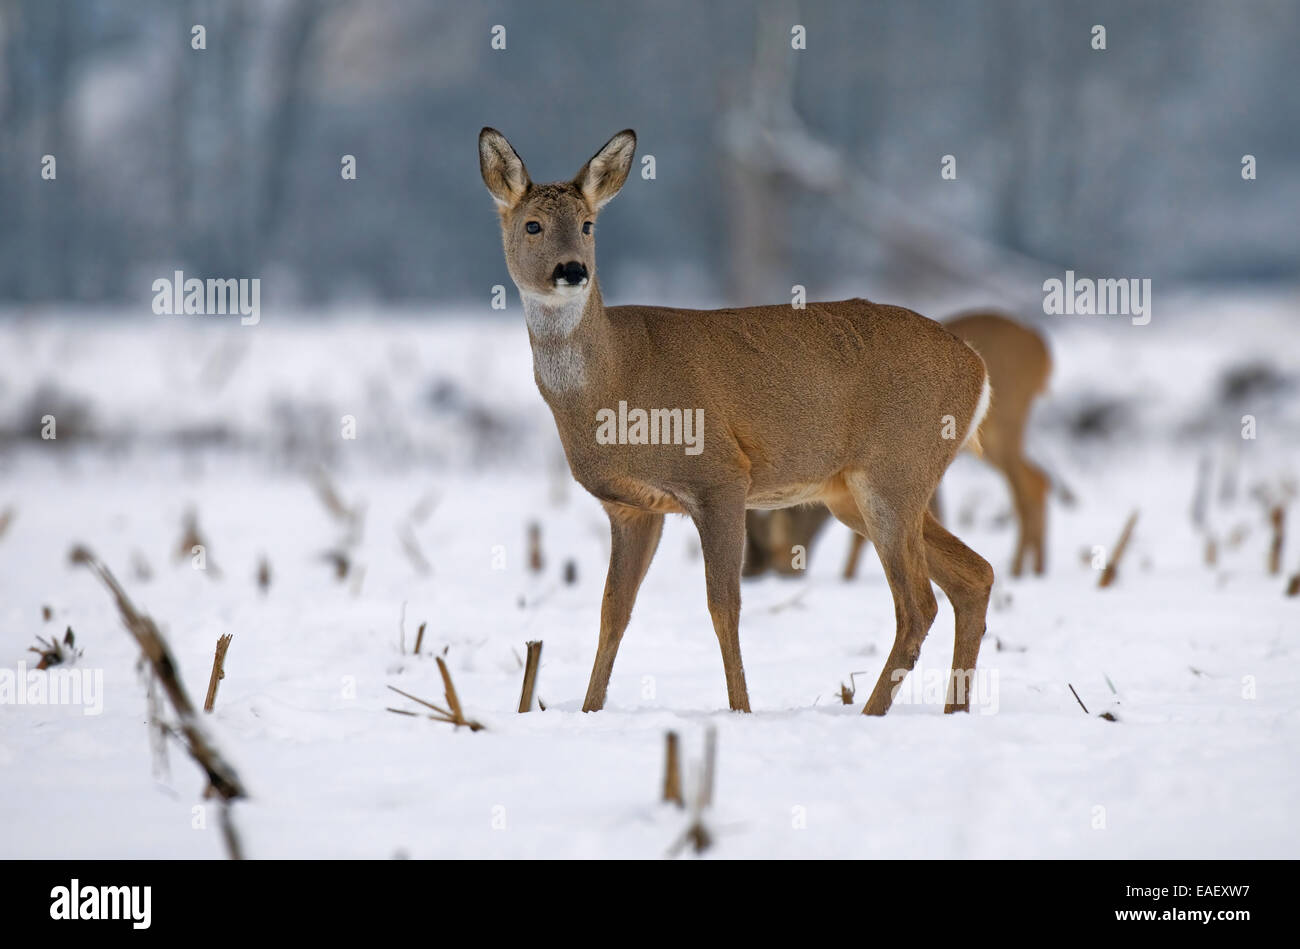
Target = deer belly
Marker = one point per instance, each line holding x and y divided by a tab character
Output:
771	498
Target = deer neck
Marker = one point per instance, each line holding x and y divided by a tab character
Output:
572	343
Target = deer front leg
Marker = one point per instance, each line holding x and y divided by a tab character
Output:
757	558
634	535
721	523
855	554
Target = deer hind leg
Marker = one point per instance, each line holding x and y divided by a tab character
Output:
966	578
721	523
1017	484
1022	546
1029	487
894	526
855	554
1038	487
634	535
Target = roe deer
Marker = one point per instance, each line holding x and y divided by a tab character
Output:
843	403
1019	364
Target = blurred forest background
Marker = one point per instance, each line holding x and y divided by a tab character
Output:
772	166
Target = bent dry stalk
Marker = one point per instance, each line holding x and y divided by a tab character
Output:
223	781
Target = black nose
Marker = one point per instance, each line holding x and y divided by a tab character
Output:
572	273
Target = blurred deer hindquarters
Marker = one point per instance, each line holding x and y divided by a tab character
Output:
1019	365
839	403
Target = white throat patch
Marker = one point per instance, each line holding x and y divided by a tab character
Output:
556	315
557	358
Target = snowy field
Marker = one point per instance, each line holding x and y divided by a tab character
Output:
455	456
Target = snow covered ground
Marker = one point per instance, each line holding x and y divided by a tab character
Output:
1200	665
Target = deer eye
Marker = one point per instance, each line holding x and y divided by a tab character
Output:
532	227
586	227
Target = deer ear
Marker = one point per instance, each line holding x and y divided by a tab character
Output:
502	168
603	176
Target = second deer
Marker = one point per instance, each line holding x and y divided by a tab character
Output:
1019	365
